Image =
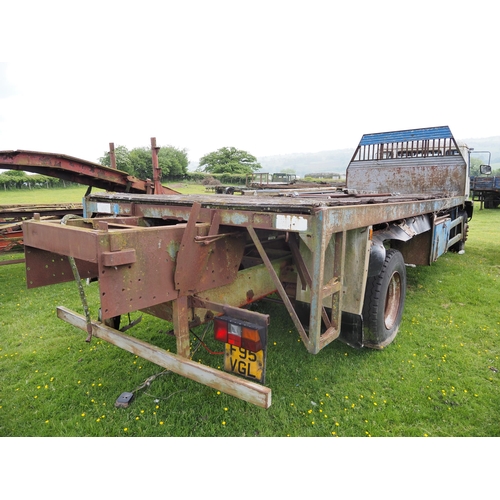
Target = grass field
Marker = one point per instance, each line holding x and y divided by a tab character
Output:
73	194
439	378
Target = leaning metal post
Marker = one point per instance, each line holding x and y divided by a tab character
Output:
158	188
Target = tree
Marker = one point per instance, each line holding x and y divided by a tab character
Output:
139	161
475	163
142	163
122	157
173	162
15	178
229	161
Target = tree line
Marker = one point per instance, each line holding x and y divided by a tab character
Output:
17	179
174	162
228	164
138	162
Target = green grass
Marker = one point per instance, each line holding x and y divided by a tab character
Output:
438	378
74	194
42	196
189	188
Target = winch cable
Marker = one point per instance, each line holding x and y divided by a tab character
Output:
126	398
202	343
148	381
79	284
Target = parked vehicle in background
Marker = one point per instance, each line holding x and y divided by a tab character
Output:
486	189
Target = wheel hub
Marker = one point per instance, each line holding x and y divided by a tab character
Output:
392	301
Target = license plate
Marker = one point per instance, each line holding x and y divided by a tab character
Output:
251	365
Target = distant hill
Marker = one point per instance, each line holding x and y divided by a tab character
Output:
304	163
308	163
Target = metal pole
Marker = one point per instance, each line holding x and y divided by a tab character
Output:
112	155
156	168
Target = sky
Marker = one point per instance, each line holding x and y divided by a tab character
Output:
269	77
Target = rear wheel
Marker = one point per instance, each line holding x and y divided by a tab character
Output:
491	201
384	302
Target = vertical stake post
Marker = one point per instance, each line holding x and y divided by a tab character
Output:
158	188
112	155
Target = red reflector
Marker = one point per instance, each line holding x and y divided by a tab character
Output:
220	330
234	340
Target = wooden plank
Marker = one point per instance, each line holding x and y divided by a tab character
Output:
222	381
14	261
181	325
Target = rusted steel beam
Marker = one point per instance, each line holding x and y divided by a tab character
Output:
112	155
347	218
10	241
138	267
287	214
234	312
250	285
76	170
18	212
206	261
156	168
65	240
305	276
279	286
13	261
217	379
47	268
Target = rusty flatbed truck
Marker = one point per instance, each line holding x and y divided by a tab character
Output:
336	258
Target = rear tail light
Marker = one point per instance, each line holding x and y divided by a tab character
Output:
220	330
240	333
234	334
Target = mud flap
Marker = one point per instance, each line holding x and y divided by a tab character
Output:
351	331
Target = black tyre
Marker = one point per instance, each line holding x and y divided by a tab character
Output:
384	302
491	201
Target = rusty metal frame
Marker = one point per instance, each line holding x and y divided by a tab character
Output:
99	247
328	234
189	259
81	171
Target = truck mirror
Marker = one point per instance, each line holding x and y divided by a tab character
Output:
485	169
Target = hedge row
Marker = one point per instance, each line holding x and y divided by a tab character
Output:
20	180
234	179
